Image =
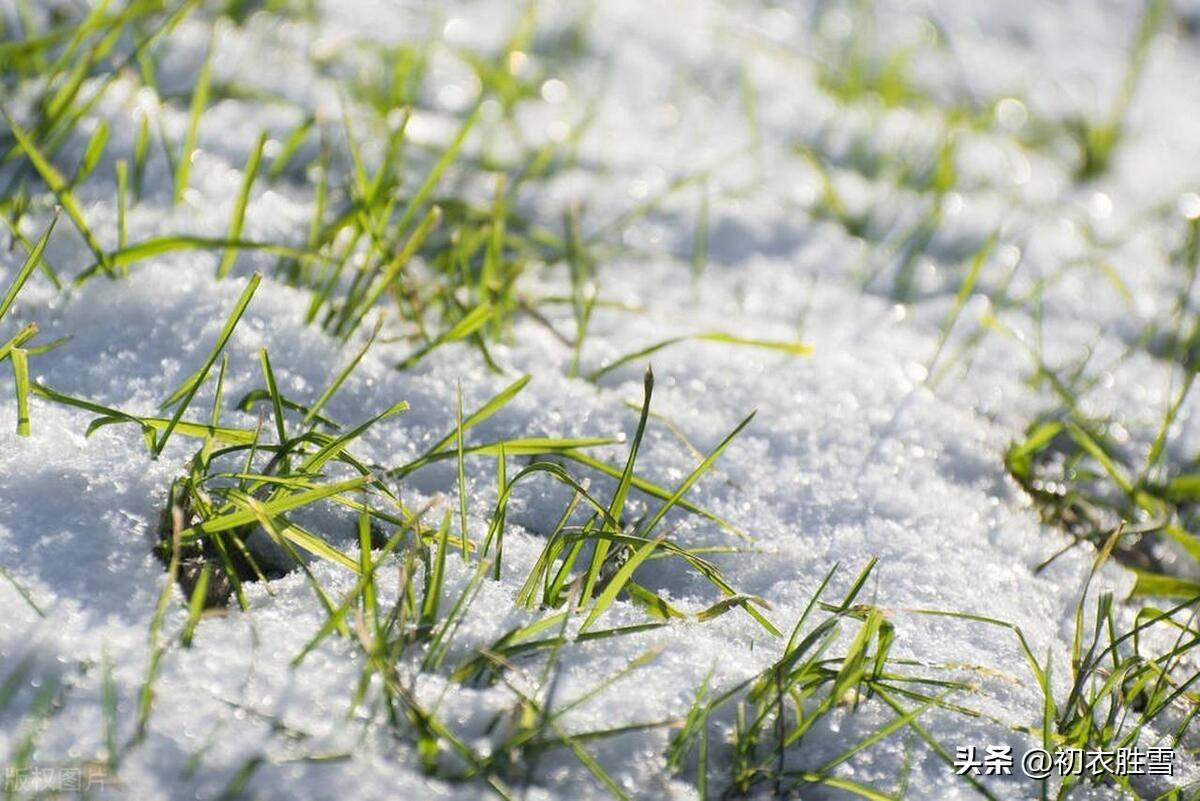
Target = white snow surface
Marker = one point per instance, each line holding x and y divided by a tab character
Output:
851	455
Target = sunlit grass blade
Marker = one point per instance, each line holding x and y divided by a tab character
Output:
790	348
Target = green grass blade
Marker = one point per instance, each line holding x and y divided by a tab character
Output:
92	154
122	201
276	507
695	475
276	401
239	207
431	181
196	606
20	366
58	185
468	325
619	580
617	506
790	348
183	168
194	382
31	262
462	477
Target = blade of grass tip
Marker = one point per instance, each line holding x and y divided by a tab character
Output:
239	206
183	168
31	262
617	506
462	478
276	399
20	366
198	379
58	185
24	335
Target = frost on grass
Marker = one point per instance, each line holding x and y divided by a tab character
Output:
934	250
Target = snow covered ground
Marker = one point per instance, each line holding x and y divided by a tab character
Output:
853	453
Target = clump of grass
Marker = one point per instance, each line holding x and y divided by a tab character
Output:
1098	139
823	671
398	249
857	72
1087	481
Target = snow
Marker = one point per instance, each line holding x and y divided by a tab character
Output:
851	455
